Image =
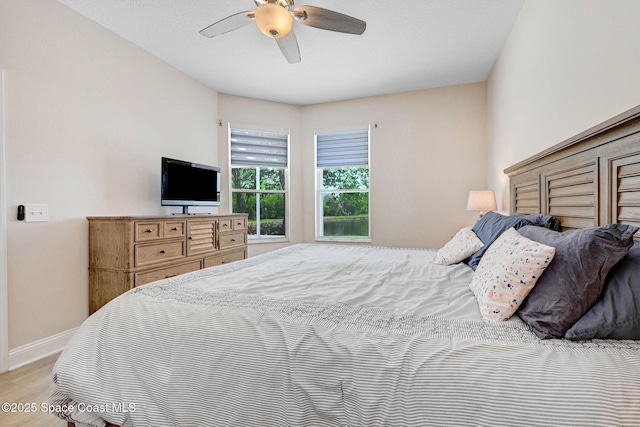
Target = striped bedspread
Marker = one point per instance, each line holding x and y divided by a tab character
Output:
329	335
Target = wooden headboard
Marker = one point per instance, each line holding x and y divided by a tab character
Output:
585	181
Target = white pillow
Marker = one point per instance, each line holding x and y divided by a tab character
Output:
508	270
464	244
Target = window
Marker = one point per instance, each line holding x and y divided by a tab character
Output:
342	185
259	179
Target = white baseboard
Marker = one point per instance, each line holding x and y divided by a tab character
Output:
37	350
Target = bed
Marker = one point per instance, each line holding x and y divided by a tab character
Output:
342	335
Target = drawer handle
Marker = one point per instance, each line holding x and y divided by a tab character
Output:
148	230
225	225
190	238
174	229
239	223
233	240
162	251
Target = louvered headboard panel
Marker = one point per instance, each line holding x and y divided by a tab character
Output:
572	196
585	181
527	197
626	194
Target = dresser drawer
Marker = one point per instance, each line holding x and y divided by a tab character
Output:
225	224
165	273
239	223
230	240
148	230
158	252
174	229
212	261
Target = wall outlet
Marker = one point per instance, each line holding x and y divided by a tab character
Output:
36	213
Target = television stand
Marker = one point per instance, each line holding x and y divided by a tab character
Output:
185	211
191	214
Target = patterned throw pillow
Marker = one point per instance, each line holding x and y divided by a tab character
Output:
464	244
489	228
507	272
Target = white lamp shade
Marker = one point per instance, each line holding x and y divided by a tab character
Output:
482	200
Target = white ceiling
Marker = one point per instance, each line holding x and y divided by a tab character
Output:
408	45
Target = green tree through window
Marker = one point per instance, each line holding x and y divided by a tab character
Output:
260	192
342	198
259	163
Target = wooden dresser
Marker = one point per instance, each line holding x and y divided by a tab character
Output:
125	252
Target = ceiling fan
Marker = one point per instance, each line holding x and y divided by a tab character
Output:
275	20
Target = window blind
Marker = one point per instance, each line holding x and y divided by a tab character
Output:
254	147
339	149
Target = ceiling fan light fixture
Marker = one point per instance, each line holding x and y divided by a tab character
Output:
273	20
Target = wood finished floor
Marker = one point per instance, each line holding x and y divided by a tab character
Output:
29	384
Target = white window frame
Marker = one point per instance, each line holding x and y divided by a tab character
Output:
319	217
257	238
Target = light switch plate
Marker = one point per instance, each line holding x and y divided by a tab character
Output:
36	213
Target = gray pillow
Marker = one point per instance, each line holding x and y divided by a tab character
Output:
616	315
547	221
575	278
489	228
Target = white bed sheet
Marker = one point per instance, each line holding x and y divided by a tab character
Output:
334	335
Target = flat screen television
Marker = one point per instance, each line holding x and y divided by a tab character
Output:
189	184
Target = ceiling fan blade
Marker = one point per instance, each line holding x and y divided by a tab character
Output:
289	47
229	23
329	20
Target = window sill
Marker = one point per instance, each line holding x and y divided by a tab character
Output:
343	239
263	240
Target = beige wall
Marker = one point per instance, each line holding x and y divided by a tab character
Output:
567	65
88	117
236	109
427	152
